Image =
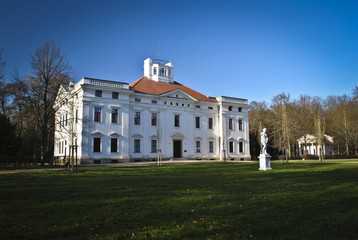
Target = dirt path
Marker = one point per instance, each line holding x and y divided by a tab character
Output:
114	165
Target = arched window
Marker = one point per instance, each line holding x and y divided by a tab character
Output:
162	72
155	70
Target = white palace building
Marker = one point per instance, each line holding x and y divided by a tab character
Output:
101	121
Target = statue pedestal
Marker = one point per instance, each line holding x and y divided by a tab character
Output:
265	162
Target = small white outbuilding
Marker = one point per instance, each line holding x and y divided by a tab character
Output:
308	144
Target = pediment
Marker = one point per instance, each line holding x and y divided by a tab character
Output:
178	94
177	136
137	136
97	133
60	94
114	134
311	139
308	138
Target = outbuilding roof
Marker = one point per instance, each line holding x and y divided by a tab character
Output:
311	139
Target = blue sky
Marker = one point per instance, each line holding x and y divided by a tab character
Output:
248	49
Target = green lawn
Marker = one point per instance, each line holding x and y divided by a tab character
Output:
206	201
325	161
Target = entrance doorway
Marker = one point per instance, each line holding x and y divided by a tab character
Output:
176	148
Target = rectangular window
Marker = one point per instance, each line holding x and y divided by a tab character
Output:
197	122
197	144
59	147
98	93
96	144
114	144
230	108
76	119
230	123
153	146
114	115
240	124
66	119
241	147
176	120
154	119
210	108
211	147
240	109
137	145
210	123
137	118
114	95
154	101
137	100
231	147
197	106
97	114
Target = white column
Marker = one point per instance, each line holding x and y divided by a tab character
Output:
312	149
87	138
222	133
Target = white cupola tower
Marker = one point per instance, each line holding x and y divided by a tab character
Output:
159	70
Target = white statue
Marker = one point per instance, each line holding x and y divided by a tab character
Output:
264	156
264	140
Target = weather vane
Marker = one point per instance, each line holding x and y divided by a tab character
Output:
158	50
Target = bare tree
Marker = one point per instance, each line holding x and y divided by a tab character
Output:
304	114
342	122
355	94
319	125
355	116
2	67
18	106
284	125
4	89
50	69
258	118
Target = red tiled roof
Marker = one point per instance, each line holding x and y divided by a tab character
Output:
144	85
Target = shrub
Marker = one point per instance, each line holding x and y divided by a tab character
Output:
309	156
340	156
283	157
328	156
